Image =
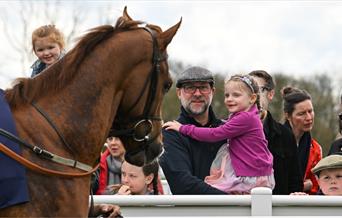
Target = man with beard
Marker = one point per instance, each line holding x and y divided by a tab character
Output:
186	161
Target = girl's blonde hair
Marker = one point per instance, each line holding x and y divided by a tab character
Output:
249	83
48	31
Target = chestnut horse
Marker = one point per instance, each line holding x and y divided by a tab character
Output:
114	75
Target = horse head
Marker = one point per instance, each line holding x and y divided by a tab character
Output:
111	83
126	67
138	120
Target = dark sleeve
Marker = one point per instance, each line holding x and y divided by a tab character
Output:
177	167
295	177
95	180
336	147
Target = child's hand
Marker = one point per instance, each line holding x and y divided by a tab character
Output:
124	190
298	193
172	125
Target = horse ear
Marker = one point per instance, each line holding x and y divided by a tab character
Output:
125	14
167	35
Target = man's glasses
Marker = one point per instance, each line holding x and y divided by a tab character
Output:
192	89
340	116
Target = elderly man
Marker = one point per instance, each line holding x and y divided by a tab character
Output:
187	161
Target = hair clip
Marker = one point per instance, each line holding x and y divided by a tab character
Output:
246	80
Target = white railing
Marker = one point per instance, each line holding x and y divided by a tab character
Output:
260	203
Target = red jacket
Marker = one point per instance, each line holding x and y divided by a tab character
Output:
103	180
315	156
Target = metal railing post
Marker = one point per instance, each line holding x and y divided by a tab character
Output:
261	201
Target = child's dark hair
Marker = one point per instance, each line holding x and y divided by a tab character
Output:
269	82
153	168
250	83
293	96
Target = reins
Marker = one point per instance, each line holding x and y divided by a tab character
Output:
47	118
46	155
34	167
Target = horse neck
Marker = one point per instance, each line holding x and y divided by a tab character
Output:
85	108
83	111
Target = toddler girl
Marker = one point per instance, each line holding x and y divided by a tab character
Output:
48	45
245	161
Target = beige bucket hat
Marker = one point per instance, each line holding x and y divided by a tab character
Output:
329	162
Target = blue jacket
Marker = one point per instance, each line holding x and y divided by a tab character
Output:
13	182
38	66
186	161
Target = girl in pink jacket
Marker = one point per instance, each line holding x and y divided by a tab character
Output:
245	161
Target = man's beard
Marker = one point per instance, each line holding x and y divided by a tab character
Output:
195	111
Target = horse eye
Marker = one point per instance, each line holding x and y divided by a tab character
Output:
167	86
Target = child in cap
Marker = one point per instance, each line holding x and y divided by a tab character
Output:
329	175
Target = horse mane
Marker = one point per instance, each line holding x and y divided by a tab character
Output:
26	90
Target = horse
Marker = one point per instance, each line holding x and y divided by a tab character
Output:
112	82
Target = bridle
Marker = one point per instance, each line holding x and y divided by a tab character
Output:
146	119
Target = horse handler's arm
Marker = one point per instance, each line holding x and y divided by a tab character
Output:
106	210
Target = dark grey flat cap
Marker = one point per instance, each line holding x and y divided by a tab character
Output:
329	162
195	74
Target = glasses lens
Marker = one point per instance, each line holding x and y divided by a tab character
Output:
192	89
189	89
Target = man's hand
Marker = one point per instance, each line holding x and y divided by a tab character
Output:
107	210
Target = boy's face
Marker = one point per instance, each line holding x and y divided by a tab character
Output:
330	181
134	177
47	50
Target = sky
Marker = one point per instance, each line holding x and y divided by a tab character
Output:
297	38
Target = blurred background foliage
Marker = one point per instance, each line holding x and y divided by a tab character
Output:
319	86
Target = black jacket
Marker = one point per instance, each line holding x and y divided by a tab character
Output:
282	144
336	147
187	161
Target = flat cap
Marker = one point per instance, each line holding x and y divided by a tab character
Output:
195	74
330	162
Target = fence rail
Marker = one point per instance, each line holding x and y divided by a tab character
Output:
261	202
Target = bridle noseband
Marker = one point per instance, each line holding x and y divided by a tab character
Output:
145	118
